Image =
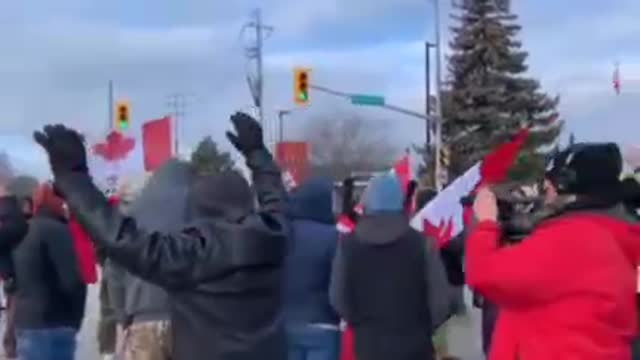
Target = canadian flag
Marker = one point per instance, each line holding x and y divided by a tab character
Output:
404	170
141	150
444	217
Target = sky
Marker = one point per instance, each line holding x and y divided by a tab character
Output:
58	57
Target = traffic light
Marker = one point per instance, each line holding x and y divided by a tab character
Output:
123	115
301	86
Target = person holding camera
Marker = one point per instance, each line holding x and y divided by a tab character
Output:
566	291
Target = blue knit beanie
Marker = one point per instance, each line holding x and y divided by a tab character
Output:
383	194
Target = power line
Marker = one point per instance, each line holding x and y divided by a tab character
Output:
253	53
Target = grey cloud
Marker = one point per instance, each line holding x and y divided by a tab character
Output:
57	66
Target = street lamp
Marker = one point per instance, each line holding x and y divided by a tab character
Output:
428	105
281	115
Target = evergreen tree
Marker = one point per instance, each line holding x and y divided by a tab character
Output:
207	158
488	91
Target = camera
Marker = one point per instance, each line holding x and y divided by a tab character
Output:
519	208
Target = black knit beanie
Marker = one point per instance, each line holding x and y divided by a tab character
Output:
586	169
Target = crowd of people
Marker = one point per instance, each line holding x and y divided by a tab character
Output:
209	266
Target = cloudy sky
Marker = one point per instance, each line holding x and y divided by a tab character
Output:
57	58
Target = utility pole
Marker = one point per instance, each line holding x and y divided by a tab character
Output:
110	106
177	103
254	52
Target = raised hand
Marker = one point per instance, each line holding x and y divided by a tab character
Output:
485	205
65	148
248	136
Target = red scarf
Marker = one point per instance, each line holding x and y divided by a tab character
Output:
87	259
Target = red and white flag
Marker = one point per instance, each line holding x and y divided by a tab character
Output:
443	218
157	140
404	170
132	153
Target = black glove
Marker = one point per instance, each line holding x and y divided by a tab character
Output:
248	137
65	148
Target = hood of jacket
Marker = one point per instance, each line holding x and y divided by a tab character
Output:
46	201
313	201
225	195
169	186
625	228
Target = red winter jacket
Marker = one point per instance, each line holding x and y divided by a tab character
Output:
566	292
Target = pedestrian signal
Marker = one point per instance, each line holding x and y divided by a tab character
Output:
301	86
123	115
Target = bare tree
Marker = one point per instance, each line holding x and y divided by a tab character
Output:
343	144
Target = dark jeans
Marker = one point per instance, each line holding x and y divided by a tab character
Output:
489	318
635	350
46	344
312	343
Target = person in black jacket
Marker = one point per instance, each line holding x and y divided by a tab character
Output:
50	291
13	228
383	277
223	271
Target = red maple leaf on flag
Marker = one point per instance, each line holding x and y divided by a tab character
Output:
443	233
116	147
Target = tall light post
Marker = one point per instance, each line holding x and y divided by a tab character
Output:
428	105
438	172
281	115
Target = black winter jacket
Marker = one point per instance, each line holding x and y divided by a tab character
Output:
382	284
50	290
13	227
223	272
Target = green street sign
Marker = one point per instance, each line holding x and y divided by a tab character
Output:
369	100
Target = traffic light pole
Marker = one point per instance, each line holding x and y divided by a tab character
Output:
386	106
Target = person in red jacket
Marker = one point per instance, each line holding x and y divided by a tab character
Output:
567	290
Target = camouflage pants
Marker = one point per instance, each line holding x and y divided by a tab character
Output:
106	331
149	340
